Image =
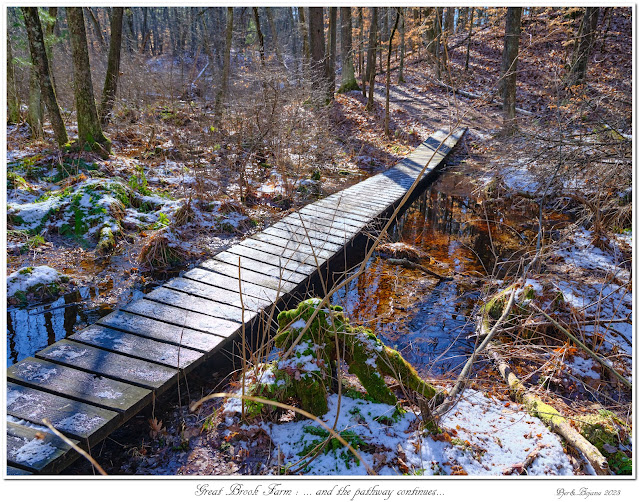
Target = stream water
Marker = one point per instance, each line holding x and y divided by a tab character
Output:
427	320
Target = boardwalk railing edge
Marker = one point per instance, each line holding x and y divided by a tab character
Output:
91	383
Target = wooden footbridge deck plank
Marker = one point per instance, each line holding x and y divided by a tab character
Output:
98	378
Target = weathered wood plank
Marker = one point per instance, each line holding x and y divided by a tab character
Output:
36	450
269	269
74	419
161	331
231	270
321	234
80	385
231	283
321	222
294	234
138	346
331	221
121	367
201	305
333	211
216	294
294	252
272	259
361	205
185	318
15	471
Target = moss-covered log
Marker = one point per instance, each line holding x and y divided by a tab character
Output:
549	415
308	372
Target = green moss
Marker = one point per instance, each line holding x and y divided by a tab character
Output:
367	358
351	85
607	433
106	242
25	270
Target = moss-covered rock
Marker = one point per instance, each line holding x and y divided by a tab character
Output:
307	373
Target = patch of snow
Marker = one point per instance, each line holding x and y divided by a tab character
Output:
79	423
582	367
490	438
33	452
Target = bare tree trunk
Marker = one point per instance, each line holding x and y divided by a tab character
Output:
470	36
360	42
89	131
49	30
13	100
96	26
304	28
583	46
348	71
388	72
113	66
332	51
35	112
318	62
370	62
509	67
402	46
260	36
41	63
271	25
222	93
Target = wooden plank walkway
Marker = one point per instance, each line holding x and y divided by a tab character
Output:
91	383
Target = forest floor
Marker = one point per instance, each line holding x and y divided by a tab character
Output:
159	188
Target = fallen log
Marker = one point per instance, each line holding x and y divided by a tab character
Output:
548	415
411	264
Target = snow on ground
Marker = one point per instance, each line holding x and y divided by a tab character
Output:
29	277
487	437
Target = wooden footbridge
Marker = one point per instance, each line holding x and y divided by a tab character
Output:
91	383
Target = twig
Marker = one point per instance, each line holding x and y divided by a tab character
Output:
46	422
196	405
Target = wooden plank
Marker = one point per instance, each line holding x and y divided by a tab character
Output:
214	293
270	246
193	303
15	471
110	364
362	206
334	221
74	419
321	220
295	235
162	331
330	207
272	269
333	211
272	258
295	226
232	272
80	385
36	450
185	318
231	283
146	349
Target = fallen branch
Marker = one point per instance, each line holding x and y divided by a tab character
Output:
520	467
460	383
412	265
549	415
